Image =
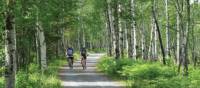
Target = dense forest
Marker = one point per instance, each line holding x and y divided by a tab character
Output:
149	43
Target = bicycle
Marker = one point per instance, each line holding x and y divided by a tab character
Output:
83	62
70	62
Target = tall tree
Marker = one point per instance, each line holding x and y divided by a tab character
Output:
177	37
121	30
159	33
133	29
41	43
116	28
167	29
143	40
111	35
10	44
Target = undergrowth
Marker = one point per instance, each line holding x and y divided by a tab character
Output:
146	74
34	78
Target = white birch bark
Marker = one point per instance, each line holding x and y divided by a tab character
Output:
151	45
133	34
177	38
10	45
109	29
42	47
155	56
111	19
41	43
143	41
126	38
116	29
120	30
167	29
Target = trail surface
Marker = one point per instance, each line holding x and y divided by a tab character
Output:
89	78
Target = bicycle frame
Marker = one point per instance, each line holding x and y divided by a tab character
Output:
70	63
83	62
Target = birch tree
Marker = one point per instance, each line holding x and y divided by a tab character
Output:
41	44
111	31
159	33
121	31
116	28
133	30
109	36
183	34
177	37
42	47
126	38
151	44
10	45
167	28
143	40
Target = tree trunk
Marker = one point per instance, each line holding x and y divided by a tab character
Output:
177	38
184	49
126	38
116	26
133	30
167	29
41	44
110	28
143	41
151	51
10	45
121	32
155	50
42	48
159	34
129	35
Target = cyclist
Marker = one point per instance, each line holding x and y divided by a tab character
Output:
70	57
83	57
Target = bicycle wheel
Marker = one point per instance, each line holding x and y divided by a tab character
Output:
83	64
70	64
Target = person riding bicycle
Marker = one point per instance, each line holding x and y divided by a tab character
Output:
83	57
70	56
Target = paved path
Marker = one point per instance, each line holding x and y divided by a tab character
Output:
89	78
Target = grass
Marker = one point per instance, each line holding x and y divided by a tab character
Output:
34	78
145	74
1	82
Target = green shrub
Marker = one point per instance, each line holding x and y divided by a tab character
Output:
22	80
32	68
123	62
107	65
168	72
2	69
52	82
2	82
145	71
195	78
112	66
35	79
174	82
145	74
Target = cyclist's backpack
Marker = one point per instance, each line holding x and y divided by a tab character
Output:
70	51
83	51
